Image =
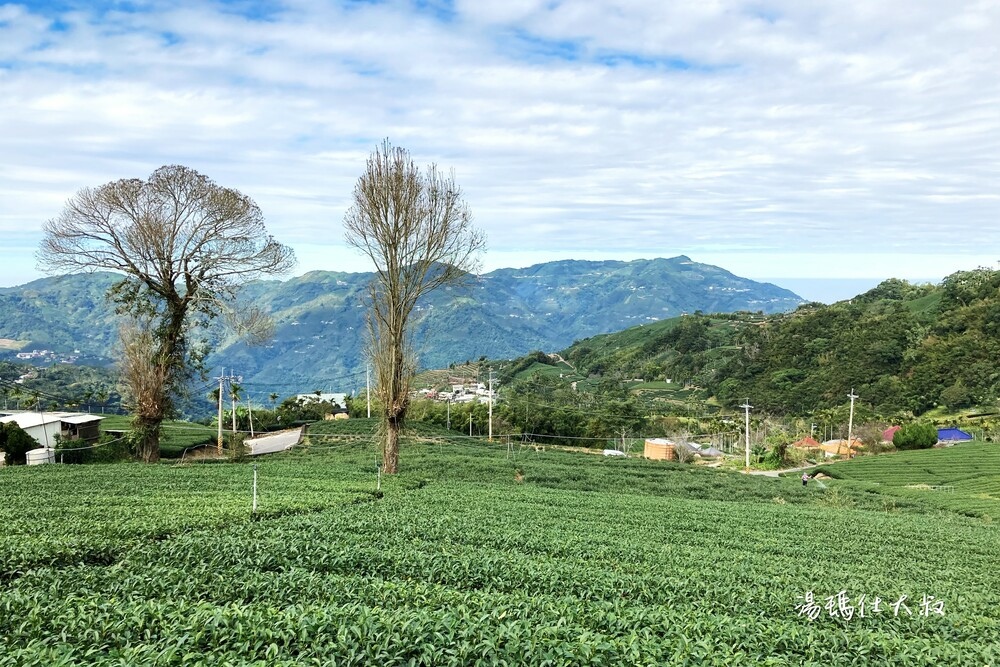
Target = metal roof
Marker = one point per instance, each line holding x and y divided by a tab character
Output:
33	419
81	419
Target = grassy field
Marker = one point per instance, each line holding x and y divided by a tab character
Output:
476	554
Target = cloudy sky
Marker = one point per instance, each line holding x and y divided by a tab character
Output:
797	142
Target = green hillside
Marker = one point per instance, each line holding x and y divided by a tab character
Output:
475	554
320	327
904	349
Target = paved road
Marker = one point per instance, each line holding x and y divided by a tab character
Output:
274	442
776	473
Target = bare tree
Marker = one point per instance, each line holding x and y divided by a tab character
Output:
417	229
185	245
144	381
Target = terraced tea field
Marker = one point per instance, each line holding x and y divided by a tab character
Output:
474	557
964	478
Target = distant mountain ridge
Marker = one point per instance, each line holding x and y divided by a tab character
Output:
319	316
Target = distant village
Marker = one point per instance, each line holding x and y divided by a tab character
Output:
460	393
49	356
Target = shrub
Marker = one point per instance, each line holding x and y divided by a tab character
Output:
879	447
918	435
237	449
15	443
107	449
684	454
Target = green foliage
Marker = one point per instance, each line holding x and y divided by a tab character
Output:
956	396
903	348
522	364
107	449
293	411
918	435
63	386
15	443
778	455
236	448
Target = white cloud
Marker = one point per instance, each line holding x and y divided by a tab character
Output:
724	130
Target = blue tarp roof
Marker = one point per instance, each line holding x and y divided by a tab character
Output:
953	434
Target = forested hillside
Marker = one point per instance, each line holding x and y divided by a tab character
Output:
901	347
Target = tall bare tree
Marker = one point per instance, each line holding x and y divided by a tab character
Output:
185	245
417	229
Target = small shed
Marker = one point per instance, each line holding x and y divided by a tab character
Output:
659	449
953	435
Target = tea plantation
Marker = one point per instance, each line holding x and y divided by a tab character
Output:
475	554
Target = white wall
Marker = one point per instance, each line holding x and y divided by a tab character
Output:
45	435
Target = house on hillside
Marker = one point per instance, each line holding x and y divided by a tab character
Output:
952	435
842	447
45	426
807	442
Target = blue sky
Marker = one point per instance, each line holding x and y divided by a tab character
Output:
811	144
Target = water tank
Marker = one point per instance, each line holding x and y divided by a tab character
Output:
41	455
659	448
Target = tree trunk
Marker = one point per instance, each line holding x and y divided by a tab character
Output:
390	450
146	431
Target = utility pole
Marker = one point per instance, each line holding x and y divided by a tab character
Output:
250	413
491	404
449	414
850	421
221	379
746	406
232	395
368	387
470	420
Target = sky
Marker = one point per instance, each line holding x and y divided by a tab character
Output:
823	146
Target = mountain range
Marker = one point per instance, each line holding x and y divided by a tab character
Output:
319	335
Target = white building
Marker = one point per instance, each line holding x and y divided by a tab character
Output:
45	426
